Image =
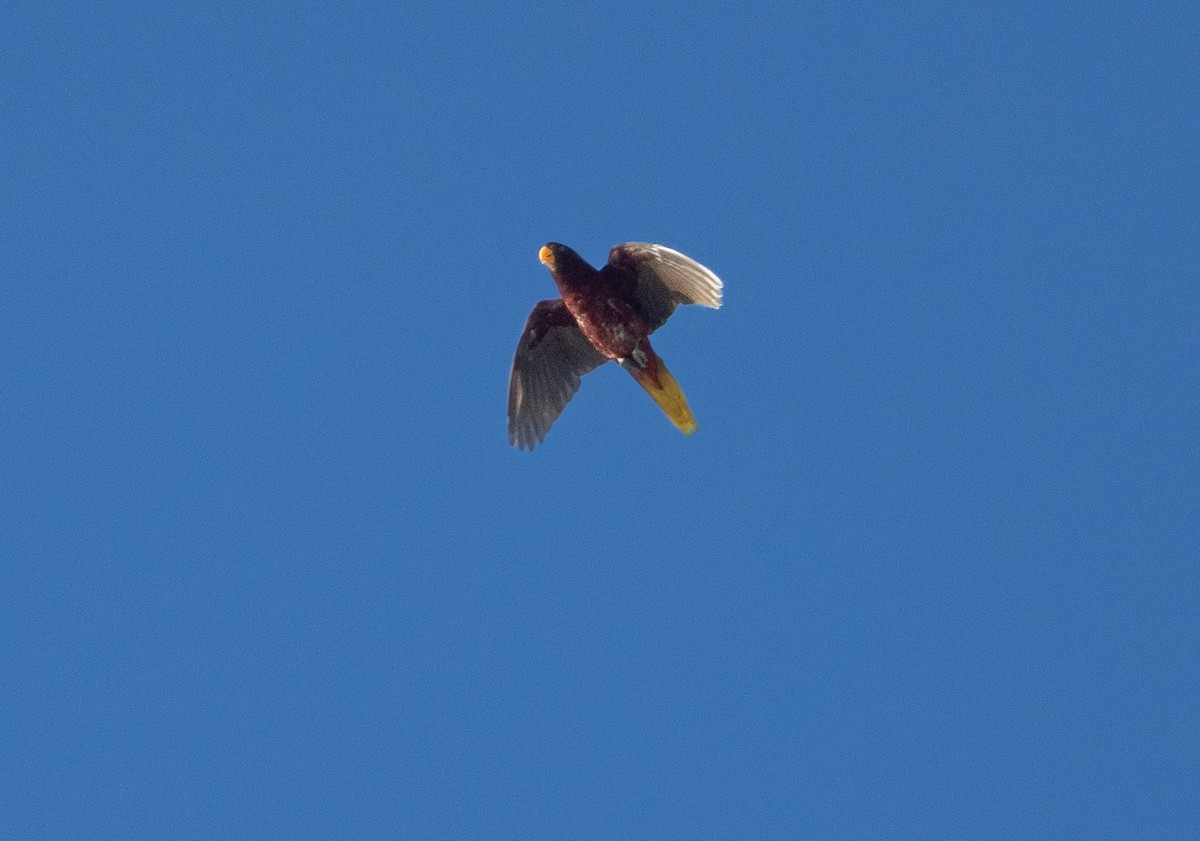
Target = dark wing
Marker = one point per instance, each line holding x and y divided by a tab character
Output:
551	357
659	279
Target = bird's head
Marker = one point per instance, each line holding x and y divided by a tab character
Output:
558	257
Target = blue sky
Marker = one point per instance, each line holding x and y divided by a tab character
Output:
928	569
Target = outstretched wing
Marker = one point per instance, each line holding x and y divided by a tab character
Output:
551	357
659	279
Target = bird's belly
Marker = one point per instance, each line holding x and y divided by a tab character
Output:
613	339
610	330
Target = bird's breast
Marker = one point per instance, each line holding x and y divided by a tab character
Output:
610	324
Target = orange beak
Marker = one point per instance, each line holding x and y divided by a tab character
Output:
546	256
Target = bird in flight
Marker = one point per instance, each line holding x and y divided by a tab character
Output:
602	315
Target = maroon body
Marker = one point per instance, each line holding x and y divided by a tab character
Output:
602	315
603	303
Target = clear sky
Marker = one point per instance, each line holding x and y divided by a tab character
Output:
929	568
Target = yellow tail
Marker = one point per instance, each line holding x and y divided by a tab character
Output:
660	385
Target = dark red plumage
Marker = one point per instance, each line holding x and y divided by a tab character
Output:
602	315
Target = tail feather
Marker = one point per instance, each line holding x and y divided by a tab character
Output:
661	386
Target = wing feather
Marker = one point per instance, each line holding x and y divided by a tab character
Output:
661	278
551	356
